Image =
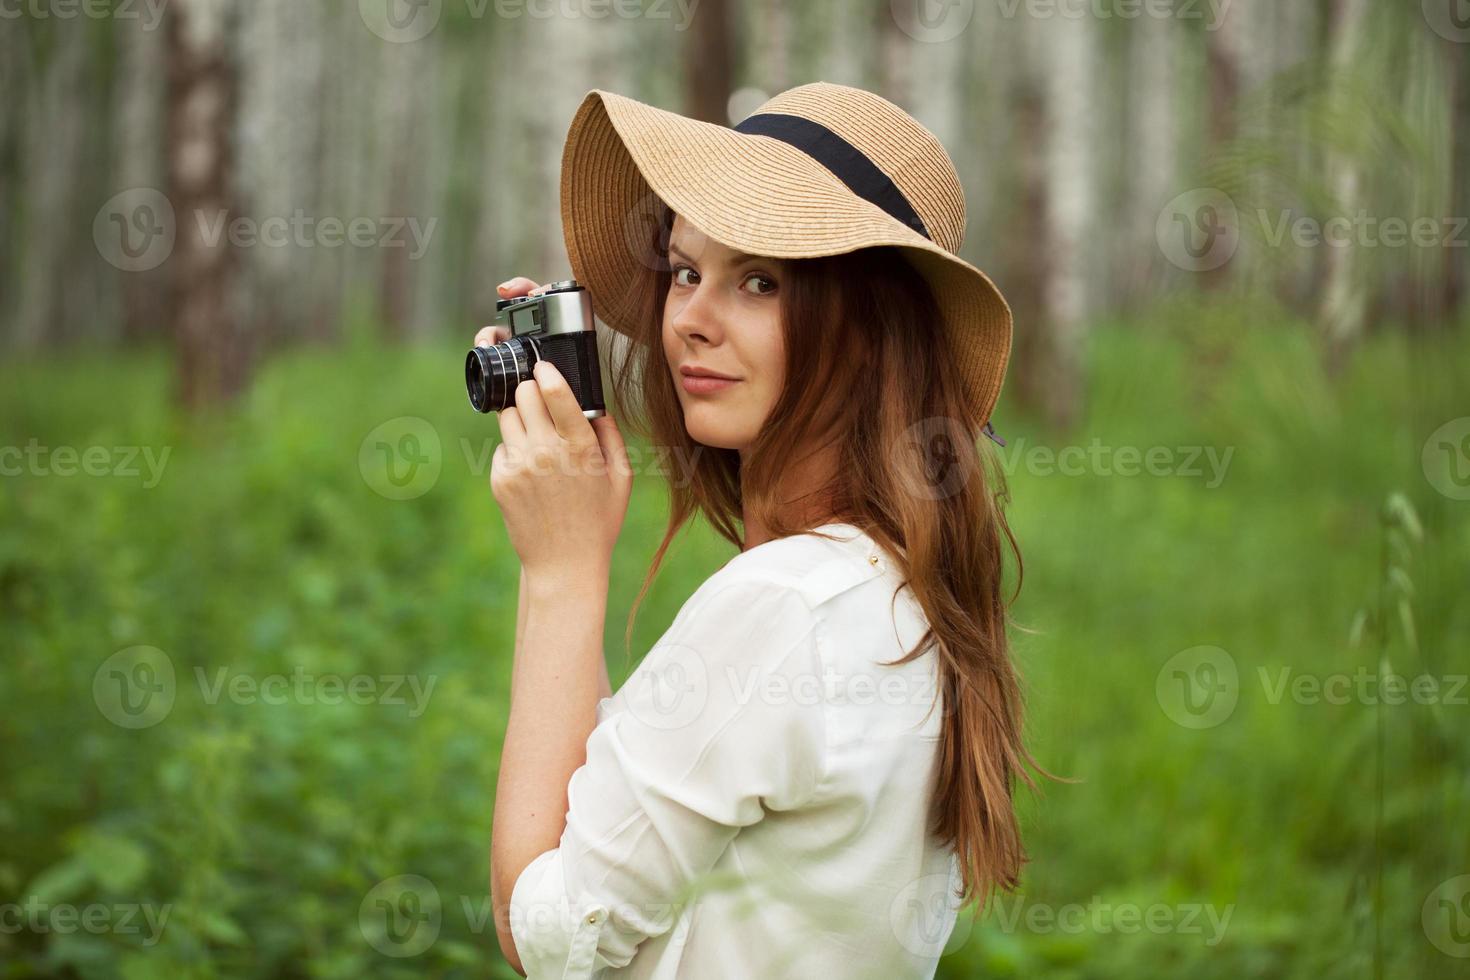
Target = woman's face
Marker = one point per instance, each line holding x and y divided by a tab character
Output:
723	316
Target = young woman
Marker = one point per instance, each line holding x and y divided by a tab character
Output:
813	769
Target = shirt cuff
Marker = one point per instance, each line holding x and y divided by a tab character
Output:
556	939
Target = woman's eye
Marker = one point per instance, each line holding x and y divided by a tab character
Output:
679	272
765	285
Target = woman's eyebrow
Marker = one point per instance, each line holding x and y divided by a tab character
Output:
735	257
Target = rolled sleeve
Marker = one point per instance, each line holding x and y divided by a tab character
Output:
554	936
709	733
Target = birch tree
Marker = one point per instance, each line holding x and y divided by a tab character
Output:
1152	147
1056	162
201	100
1340	311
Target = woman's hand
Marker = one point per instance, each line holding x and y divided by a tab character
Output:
562	481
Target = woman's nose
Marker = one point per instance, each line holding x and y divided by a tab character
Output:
692	336
697	321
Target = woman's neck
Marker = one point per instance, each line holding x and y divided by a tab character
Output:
800	486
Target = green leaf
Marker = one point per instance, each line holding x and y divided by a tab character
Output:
147	965
1400	555
117	862
1402	513
1355	632
1399	580
220	928
1002	952
62	881
1406	621
454	951
86	954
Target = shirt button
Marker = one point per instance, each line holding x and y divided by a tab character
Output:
872	559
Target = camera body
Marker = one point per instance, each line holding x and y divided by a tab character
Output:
556	326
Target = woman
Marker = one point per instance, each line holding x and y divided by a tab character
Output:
814	767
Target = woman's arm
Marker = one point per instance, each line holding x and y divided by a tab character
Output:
604	682
670	778
563	521
557	678
487	337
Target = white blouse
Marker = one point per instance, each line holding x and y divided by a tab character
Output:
755	797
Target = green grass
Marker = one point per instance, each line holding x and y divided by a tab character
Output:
264	550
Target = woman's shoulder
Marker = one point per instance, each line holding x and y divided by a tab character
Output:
814	565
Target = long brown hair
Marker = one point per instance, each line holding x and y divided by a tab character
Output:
865	372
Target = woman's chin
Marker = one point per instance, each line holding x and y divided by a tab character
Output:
714	435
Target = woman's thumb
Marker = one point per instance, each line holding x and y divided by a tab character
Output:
614	449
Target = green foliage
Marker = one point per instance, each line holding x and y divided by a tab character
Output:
264	550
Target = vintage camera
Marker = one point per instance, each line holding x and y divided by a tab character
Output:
556	326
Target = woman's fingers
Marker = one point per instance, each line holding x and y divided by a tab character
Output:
512	430
490	336
511	288
614	450
562	405
518	286
532	410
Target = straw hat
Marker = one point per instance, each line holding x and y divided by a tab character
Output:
820	169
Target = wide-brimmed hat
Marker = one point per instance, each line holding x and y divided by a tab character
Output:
820	169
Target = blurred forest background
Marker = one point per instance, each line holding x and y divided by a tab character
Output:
243	246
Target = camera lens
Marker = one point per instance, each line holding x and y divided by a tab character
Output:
492	373
474	380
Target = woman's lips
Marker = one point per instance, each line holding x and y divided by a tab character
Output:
698	385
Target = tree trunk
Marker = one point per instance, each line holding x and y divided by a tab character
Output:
1340	313
1056	171
407	110
1455	274
1225	65
772	51
597	59
932	86
137	127
895	69
1026	272
280	120
1152	144
708	62
1297	28
50	155
1222	56
847	42
1069	203
201	100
